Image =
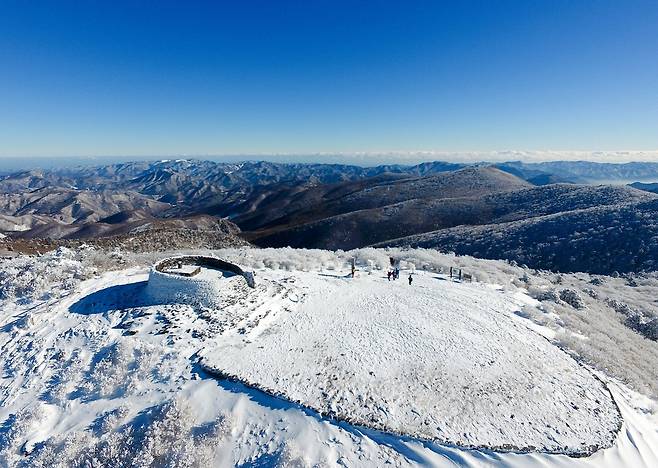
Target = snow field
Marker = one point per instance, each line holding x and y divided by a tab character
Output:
438	360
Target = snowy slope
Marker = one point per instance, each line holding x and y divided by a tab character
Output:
94	374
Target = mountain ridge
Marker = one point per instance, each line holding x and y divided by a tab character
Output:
340	206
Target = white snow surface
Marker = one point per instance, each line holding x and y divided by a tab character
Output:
95	374
435	360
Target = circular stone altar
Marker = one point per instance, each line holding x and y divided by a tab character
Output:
191	279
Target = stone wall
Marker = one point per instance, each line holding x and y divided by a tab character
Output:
209	262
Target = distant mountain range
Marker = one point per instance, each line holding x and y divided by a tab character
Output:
547	215
583	172
646	187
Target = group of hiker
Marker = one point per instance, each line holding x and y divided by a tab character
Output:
395	274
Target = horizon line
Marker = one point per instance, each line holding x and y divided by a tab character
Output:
371	157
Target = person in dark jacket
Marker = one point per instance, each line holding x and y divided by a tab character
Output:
389	274
410	279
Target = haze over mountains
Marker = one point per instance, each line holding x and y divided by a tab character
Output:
540	214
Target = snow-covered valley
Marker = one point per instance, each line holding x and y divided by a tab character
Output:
324	370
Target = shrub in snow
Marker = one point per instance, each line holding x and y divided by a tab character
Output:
70	370
292	456
647	327
544	294
26	279
111	419
117	369
14	429
117	255
620	307
165	437
591	293
613	346
638	320
572	298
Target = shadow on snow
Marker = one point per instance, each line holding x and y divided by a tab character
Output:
113	298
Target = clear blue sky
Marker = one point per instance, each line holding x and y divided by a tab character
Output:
145	78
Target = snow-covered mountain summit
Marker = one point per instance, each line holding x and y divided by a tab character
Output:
324	368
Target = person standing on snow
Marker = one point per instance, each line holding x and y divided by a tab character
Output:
389	275
410	279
